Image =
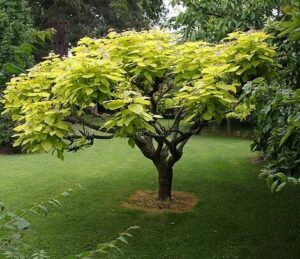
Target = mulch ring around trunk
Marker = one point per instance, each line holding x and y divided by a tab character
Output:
147	201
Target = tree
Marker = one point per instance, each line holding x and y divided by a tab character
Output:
212	20
15	23
94	18
137	77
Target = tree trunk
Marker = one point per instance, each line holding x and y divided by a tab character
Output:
165	179
229	127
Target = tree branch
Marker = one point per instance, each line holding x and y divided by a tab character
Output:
88	137
76	119
177	151
146	146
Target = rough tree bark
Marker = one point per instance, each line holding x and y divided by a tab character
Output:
161	158
165	180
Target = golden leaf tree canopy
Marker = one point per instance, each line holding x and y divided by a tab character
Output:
137	77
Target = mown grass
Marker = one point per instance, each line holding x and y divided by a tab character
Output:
236	217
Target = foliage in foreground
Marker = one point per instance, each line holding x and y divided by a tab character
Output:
137	76
14	226
103	248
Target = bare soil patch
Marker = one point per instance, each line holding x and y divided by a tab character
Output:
147	201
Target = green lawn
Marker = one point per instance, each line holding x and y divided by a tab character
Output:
236	216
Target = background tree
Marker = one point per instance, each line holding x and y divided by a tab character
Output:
15	26
137	76
212	20
94	18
